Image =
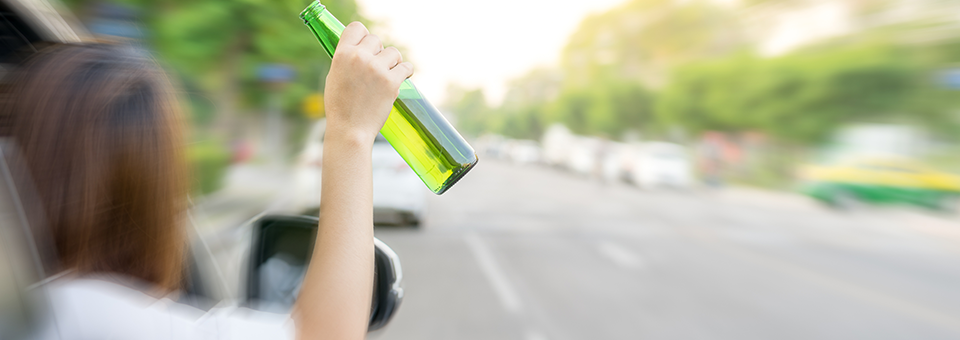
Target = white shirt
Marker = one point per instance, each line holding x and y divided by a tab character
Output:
97	309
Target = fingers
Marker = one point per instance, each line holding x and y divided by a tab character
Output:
402	71
389	57
353	33
371	43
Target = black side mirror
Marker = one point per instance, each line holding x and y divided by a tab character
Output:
280	253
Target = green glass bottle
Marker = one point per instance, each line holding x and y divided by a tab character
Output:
419	133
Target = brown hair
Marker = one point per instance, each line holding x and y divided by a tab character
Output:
99	128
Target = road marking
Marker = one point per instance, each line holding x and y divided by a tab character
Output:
620	255
490	268
533	334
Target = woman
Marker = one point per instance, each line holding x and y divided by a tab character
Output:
100	132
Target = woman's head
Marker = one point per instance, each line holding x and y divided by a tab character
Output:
99	129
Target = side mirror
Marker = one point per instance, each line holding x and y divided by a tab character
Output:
280	253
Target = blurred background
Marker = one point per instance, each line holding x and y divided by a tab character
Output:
691	169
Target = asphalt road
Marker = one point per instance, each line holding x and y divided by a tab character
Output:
527	252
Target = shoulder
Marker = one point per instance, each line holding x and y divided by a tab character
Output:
90	308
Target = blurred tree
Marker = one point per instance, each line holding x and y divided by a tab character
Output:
607	107
215	47
694	59
222	42
523	111
538	86
801	98
470	109
644	39
523	123
218	44
608	65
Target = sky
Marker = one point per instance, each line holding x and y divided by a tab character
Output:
806	24
478	43
486	44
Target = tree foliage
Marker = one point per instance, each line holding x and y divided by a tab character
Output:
801	97
603	84
643	39
216	46
655	66
607	107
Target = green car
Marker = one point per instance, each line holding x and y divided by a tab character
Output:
882	181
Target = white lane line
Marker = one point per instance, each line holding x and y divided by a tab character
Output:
620	255
533	334
506	293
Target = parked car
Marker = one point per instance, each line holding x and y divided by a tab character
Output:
556	142
399	196
881	180
661	164
616	160
583	156
523	151
307	171
491	145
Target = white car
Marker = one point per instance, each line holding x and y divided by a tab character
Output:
661	164
524	151
615	161
557	141
399	196
307	170
583	158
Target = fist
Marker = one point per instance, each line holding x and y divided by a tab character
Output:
363	82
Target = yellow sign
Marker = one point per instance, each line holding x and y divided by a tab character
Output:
313	106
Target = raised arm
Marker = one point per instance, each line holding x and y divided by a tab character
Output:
363	82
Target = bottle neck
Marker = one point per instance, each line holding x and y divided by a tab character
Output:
324	26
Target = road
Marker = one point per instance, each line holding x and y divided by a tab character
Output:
532	253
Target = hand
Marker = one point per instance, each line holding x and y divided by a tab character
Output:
363	82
